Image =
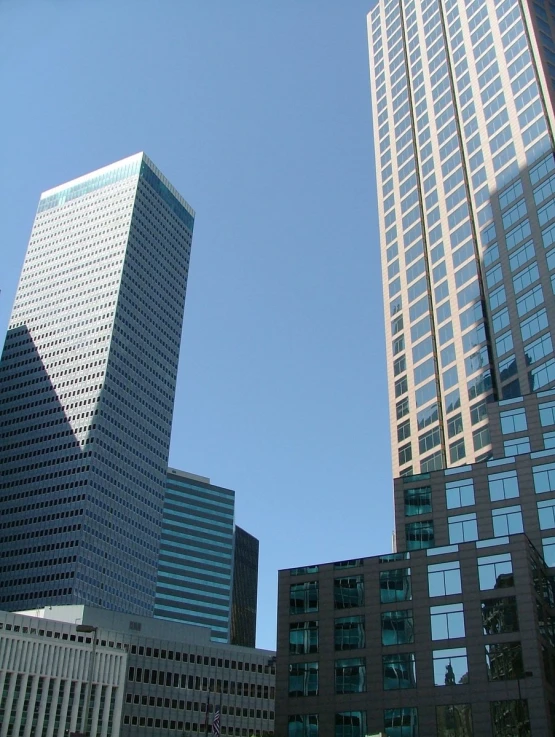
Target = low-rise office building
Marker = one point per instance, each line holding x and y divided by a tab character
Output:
166	678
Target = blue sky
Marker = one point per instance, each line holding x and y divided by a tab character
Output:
259	113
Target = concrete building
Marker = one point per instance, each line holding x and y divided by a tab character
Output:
88	376
462	97
147	677
207	566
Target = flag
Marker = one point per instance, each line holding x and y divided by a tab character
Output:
216	722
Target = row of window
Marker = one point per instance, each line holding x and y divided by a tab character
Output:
507	718
499	616
450	668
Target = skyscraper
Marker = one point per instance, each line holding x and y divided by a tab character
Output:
207	566
88	376
245	588
463	116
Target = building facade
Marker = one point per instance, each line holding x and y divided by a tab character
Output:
88	376
207	566
195	564
147	677
463	116
245	588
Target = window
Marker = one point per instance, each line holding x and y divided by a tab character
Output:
504	661
510	718
454	425
350	675
418	501
462	528
457	450
302	725
499	616
348	592
350	724
397	627
495	572
398	671
513	420
303	679
450	667
503	486
459	493
546	513
516	446
447	621
507	521
303	638
454	721
349	633
403	431
395	585
544	478
405	454
481	438
419	535
547	413
402	722
303	597
444	579
549	551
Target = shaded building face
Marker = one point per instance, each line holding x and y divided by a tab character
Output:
245	589
88	378
463	124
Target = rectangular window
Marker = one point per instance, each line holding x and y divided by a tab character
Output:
534	324
298	725
517	446
513	420
397	627
504	661
544	478
462	528
450	667
348	592
495	572
349	724
398	671
418	501
529	300
303	679
459	493
419	535
549	551
350	633
507	521
402	722
350	675
510	718
303	638
447	621
481	438
499	616
547	413
444	579
546	514
303	597
539	349
454	721
395	585
429	440
503	486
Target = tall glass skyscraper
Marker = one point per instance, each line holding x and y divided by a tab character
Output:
207	566
463	117
87	377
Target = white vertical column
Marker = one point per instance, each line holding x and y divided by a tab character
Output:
20	702
96	709
8	707
106	712
53	707
42	707
31	706
63	713
75	707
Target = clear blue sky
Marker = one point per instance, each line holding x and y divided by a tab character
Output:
259	113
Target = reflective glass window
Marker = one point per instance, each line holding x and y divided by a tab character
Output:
447	621
450	667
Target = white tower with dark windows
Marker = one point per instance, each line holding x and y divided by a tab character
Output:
87	381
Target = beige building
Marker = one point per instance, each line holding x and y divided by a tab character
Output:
463	130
